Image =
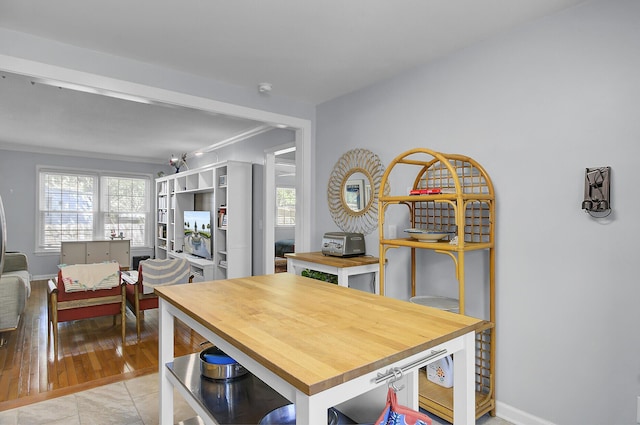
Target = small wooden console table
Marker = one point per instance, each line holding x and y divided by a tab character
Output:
343	267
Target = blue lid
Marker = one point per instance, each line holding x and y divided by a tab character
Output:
218	359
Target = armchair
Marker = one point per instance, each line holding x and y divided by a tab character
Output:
151	273
15	288
85	291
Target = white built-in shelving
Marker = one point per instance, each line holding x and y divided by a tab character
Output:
230	184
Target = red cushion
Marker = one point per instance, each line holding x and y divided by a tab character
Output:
65	315
89	312
145	303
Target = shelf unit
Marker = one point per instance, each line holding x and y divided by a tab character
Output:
465	209
229	184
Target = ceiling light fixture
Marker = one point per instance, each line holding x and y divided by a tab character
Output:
238	138
91	90
285	150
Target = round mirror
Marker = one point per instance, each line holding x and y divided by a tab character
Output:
356	191
352	191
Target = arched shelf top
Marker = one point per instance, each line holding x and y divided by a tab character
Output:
453	174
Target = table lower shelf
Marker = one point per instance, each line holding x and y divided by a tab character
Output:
243	400
439	400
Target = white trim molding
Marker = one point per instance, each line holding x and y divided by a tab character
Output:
517	416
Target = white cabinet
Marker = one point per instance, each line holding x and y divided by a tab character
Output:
98	252
120	251
87	252
73	253
229	184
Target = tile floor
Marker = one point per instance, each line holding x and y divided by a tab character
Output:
132	402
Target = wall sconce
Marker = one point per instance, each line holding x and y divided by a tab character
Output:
597	184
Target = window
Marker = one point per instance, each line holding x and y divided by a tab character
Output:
285	206
66	208
82	206
124	208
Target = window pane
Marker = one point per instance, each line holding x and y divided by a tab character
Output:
66	208
125	208
285	206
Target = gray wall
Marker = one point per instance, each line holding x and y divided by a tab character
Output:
535	107
19	191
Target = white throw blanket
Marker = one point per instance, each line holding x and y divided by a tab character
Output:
93	277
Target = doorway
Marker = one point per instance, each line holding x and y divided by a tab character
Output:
282	206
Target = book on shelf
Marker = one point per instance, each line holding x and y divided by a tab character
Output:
222	216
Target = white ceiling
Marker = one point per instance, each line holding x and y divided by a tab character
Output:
309	50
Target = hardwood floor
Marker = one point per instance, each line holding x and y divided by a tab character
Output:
90	353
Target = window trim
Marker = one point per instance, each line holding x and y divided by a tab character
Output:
149	220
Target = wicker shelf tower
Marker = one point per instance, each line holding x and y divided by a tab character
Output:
463	206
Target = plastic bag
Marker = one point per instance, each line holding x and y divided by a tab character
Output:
395	414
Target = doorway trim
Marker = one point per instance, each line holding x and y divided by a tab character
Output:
270	205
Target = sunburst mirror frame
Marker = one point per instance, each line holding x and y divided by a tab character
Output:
355	161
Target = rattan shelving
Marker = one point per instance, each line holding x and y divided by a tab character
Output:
465	208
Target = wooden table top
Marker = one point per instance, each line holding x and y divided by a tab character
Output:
329	260
314	334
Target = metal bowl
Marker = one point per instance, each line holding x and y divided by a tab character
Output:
286	415
215	364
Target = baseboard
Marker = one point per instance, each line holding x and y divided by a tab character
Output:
517	416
